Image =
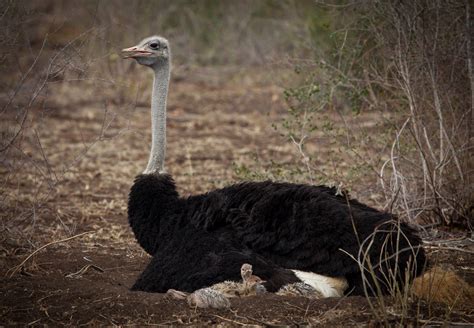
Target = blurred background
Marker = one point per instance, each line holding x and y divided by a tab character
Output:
372	97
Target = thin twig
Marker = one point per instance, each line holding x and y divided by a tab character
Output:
229	320
450	323
19	266
84	269
456	249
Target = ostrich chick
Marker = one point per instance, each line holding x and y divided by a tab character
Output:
208	298
252	284
315	286
217	296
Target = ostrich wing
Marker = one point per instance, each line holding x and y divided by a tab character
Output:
200	259
296	226
303	227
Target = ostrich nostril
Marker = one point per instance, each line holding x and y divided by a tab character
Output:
130	49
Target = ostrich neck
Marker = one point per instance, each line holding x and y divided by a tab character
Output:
156	162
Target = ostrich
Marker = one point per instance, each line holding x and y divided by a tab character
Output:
290	233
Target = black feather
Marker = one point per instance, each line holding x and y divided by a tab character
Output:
204	239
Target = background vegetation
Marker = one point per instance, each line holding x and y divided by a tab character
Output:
408	63
374	97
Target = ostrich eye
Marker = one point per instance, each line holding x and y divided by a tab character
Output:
154	45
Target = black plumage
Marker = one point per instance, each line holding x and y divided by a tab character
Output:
204	239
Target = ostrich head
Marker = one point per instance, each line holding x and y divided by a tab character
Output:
246	271
150	52
154	52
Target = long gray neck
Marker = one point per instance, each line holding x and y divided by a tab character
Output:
156	163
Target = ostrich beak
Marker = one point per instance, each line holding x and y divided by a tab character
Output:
134	52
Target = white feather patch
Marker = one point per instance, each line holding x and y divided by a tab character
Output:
327	286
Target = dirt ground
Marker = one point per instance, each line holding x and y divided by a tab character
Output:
65	187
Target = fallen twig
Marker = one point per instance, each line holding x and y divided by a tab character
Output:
457	249
447	241
450	323
168	323
19	266
264	323
83	270
229	320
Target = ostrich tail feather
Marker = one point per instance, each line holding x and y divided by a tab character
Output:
443	286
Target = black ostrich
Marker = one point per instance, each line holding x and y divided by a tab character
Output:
285	231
